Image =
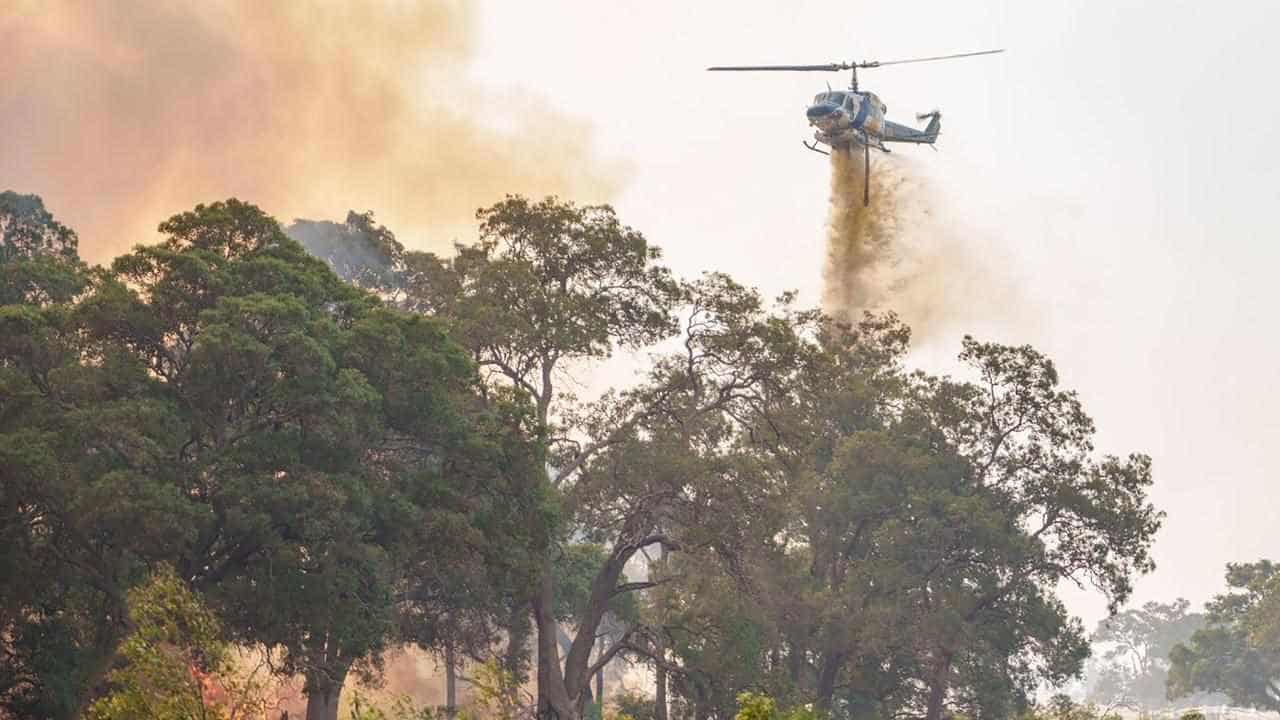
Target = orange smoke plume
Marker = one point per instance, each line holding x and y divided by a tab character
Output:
122	113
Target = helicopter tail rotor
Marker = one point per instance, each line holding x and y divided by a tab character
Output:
933	128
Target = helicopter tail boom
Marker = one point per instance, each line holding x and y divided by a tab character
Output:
893	132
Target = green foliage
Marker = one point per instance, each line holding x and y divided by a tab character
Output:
633	705
38	259
1235	654
336	475
28	230
495	693
1061	707
752	706
551	283
175	662
575	567
548	282
84	502
909	559
324	468
720	639
755	706
400	708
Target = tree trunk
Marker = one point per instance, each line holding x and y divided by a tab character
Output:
542	671
450	682
323	693
938	686
600	679
795	662
827	679
323	704
660	672
660	679
554	702
561	688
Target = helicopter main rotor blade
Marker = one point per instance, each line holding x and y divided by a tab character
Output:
830	67
879	63
836	67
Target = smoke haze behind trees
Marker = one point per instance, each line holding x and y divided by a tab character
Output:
117	114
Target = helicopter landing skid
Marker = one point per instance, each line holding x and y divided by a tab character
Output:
814	147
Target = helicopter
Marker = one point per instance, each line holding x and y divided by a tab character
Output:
844	118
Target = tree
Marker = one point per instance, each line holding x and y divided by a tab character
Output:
547	284
1235	653
86	502
39	263
1134	651
316	463
175	662
29	230
349	465
911	563
1027	445
550	284
716	642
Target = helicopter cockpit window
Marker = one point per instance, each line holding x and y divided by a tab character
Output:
834	98
849	101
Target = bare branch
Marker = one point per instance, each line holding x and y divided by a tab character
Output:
640	585
612	651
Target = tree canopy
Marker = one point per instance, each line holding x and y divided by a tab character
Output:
342	446
314	462
1236	653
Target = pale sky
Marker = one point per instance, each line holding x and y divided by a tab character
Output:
1115	167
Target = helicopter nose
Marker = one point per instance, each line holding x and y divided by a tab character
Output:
820	110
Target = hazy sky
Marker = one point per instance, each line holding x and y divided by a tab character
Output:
1113	178
1104	190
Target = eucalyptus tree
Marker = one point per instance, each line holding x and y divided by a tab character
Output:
81	428
1027	446
1131	650
1237	652
28	230
39	258
552	287
912	562
318	464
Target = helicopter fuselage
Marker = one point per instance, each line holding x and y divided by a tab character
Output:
845	117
